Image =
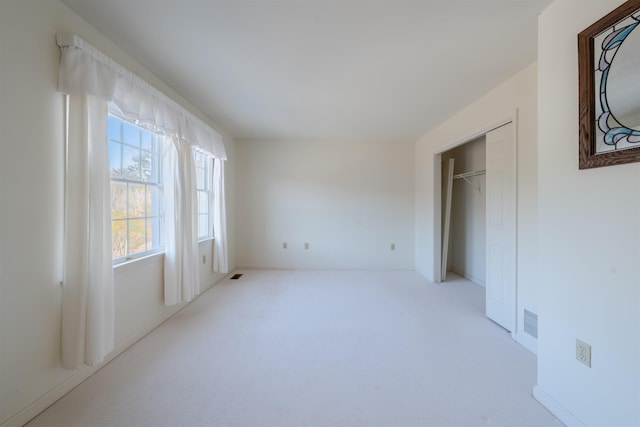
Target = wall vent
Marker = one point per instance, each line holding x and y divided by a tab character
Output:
236	276
531	323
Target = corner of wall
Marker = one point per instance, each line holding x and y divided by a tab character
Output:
556	408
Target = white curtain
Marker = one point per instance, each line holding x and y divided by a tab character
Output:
211	199
85	69
92	80
220	256
87	308
181	269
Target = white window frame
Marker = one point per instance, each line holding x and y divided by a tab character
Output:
204	171
148	216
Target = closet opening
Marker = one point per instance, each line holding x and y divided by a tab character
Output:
475	227
464	211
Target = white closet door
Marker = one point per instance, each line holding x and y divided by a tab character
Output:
501	227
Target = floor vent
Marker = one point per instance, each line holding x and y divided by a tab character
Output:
531	323
236	276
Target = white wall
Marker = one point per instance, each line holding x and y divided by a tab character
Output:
589	240
31	215
519	92
349	201
468	213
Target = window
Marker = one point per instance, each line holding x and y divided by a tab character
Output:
203	185
134	161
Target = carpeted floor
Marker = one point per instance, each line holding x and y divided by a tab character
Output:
317	348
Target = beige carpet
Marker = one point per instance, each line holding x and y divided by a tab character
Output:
317	348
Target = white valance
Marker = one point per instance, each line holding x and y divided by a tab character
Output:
86	70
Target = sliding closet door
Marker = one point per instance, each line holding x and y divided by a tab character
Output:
501	227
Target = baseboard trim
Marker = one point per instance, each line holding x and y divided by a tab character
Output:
76	379
49	398
559	411
470	277
527	341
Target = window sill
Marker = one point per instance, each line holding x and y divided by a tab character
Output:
205	243
135	262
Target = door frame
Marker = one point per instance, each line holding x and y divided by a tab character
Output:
512	117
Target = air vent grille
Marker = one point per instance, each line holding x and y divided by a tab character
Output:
531	323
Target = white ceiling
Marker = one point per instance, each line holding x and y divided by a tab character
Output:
310	70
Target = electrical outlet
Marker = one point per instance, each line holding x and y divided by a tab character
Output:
204	259
583	353
306	246
284	245
393	246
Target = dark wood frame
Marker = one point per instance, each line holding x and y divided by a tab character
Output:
588	158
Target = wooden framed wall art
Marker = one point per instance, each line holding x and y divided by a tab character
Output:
609	89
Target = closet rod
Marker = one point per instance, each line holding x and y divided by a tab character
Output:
469	174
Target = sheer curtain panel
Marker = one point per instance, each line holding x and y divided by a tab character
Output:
181	269
220	256
94	82
87	303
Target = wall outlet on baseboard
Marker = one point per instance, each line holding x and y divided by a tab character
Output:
393	246
285	245
583	353
306	246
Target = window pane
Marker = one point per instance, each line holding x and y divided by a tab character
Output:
203	202
146	166
118	200
153	233
136	202
153	168
147	141
115	159
130	134
136	207
207	173
198	157
200	178
119	238
155	203
137	234
203	226
113	128
131	163
148	200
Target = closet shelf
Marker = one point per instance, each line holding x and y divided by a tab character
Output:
468	175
